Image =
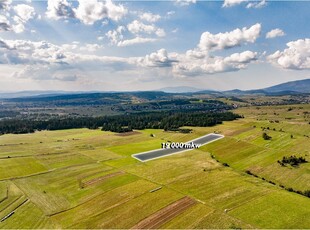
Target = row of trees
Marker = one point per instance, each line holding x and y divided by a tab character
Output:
304	193
121	123
292	160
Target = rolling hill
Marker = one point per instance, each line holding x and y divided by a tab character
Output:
302	86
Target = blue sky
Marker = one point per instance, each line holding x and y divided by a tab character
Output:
148	45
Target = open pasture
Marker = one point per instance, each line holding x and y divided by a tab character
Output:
84	178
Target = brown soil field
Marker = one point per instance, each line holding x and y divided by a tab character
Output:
166	214
103	178
128	133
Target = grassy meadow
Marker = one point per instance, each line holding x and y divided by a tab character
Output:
44	177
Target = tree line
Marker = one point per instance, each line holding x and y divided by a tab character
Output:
120	123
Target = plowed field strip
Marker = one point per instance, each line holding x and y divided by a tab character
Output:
166	214
103	178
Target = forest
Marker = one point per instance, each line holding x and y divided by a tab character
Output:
171	120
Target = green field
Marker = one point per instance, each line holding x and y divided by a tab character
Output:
84	178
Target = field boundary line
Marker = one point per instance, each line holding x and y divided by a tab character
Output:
165	214
45	172
59	212
112	206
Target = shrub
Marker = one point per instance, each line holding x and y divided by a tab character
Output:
266	136
292	160
307	193
290	189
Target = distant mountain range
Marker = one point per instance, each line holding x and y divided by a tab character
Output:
292	87
180	89
300	86
288	88
39	93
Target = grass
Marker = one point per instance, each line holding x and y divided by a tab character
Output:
26	213
17	167
48	170
29	217
3	190
131	212
52	161
190	218
60	189
102	203
278	210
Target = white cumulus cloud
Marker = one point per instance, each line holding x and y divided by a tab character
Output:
25	12
251	3
116	35
296	56
4	23
159	58
187	66
88	11
275	33
134	41
230	3
137	27
57	9
5	4
185	2
230	39
149	17
257	5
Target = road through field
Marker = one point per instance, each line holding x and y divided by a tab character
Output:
158	153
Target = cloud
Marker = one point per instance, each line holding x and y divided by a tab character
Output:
88	11
201	61
134	41
170	13
19	27
24	12
116	35
230	3
275	33
65	77
46	72
257	5
185	2
3	45
115	12
57	9
198	61
157	59
4	24
252	4
5	4
28	52
91	11
186	66
230	39
296	56
149	17
91	47
137	27
241	58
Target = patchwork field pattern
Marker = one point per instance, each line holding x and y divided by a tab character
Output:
87	178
